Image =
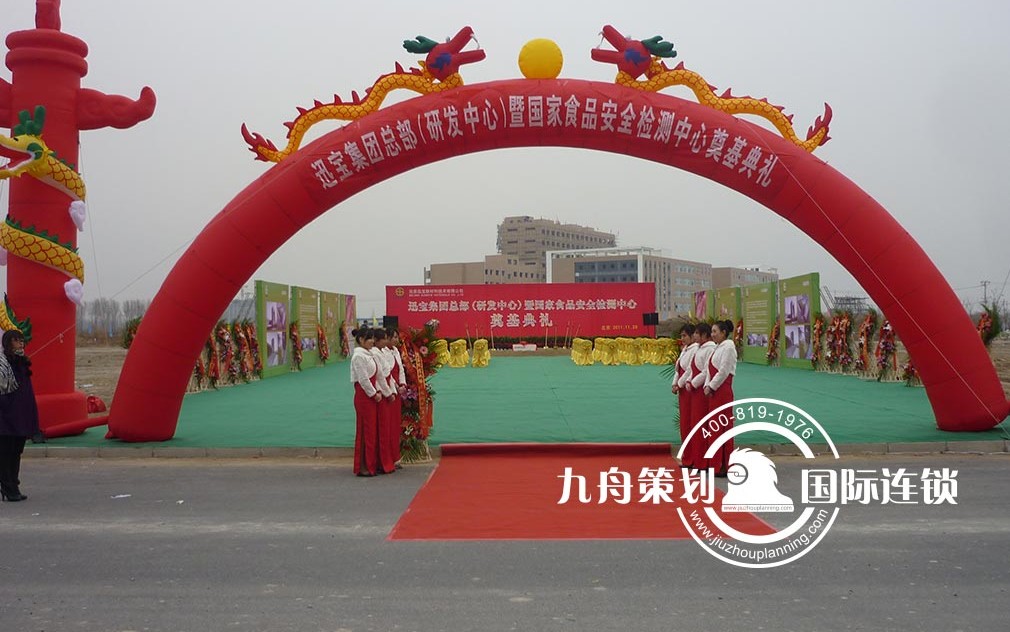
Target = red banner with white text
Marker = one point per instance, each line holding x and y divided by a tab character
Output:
525	310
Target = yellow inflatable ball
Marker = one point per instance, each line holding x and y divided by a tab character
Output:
541	59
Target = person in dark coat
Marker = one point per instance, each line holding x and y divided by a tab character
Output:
19	414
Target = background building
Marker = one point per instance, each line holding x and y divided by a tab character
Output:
739	277
527	240
495	269
676	279
523	243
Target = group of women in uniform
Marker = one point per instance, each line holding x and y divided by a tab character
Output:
379	383
703	382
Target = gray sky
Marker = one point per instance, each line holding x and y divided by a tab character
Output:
918	89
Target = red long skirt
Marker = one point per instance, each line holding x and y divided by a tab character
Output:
720	460
697	407
389	421
366	437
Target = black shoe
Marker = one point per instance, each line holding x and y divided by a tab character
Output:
13	498
397	467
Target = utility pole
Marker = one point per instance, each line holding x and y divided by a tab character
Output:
985	292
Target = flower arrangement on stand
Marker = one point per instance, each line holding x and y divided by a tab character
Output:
839	346
817	349
989	325
910	375
254	348
345	345
199	372
213	362
773	344
243	357
324	346
886	352
226	353
296	346
866	331
738	337
130	332
420	362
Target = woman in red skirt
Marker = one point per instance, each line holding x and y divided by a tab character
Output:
383	359
398	380
688	347
364	376
695	386
719	389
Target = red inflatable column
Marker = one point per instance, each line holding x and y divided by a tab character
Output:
47	66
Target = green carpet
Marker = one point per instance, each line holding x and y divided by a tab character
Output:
541	399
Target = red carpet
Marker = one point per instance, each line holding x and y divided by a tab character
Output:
511	492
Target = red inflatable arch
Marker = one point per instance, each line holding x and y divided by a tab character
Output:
960	379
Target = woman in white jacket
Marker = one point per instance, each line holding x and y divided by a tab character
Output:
719	389
680	379
365	377
384	360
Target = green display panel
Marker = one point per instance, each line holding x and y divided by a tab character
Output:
331	314
273	302
799	302
305	310
727	304
760	308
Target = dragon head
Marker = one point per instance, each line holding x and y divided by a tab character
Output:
25	148
632	57
445	59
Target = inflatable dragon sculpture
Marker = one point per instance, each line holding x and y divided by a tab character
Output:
26	153
438	72
635	58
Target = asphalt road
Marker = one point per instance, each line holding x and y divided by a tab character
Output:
202	545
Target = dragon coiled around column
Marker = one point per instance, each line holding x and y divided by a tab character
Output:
438	72
635	58
24	152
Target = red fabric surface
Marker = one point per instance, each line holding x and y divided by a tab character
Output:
511	492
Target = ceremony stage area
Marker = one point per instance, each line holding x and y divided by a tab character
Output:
539	399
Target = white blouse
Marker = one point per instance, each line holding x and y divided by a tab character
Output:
384	368
701	357
684	362
363	367
399	363
724	360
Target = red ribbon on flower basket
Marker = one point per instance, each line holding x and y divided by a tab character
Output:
296	345
738	336
324	346
199	371
243	359
840	347
213	362
866	330
773	345
254	349
345	346
225	351
423	399
817	356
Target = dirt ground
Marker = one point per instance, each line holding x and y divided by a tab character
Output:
98	367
